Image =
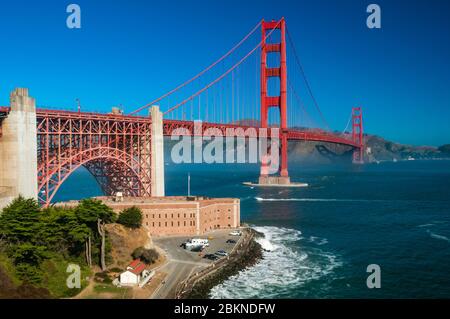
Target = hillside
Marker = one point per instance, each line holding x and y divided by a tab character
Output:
377	149
124	241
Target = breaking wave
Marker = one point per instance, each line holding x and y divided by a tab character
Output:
286	267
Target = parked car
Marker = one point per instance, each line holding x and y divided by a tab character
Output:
221	253
197	248
236	233
231	241
211	257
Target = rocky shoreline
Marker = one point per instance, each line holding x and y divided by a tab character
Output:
246	255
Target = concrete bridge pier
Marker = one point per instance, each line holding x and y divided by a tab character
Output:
18	149
157	153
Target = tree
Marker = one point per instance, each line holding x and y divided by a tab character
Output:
27	258
90	210
102	232
28	253
131	217
95	215
62	231
19	220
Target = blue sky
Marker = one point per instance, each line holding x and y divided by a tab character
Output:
130	52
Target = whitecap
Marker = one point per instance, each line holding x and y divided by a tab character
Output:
318	240
426	225
437	236
336	200
283	268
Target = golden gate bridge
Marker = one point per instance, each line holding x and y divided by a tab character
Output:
250	86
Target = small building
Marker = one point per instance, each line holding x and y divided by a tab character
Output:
132	276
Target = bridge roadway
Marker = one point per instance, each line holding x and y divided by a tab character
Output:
169	126
178	126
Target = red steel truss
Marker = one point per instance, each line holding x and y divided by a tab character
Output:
115	149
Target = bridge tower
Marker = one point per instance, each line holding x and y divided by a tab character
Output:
279	101
18	154
358	135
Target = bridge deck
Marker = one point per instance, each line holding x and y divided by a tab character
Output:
170	126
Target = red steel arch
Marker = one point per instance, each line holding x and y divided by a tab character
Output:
115	149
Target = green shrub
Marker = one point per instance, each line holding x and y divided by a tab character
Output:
29	273
148	256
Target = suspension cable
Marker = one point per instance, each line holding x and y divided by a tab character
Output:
308	86
348	123
299	100
201	73
224	74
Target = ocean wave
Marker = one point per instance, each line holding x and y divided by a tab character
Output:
425	225
437	236
260	199
282	269
318	240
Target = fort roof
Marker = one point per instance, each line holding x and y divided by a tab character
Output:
174	200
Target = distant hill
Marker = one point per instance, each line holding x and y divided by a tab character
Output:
381	149
377	149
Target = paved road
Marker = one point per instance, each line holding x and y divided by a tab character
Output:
182	263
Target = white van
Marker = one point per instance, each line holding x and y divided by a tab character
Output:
200	241
195	242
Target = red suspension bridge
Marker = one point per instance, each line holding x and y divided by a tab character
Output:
248	87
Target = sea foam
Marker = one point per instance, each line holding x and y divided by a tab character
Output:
285	266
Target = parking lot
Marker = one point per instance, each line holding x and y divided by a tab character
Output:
182	263
217	241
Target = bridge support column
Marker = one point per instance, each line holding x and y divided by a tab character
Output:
279	102
157	153
18	149
358	135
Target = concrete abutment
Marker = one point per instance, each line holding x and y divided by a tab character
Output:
18	149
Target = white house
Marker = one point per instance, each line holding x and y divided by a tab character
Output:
132	276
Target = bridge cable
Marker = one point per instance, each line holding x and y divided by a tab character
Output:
308	86
201	73
348	123
300	102
223	75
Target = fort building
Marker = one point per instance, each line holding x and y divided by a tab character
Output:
179	215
